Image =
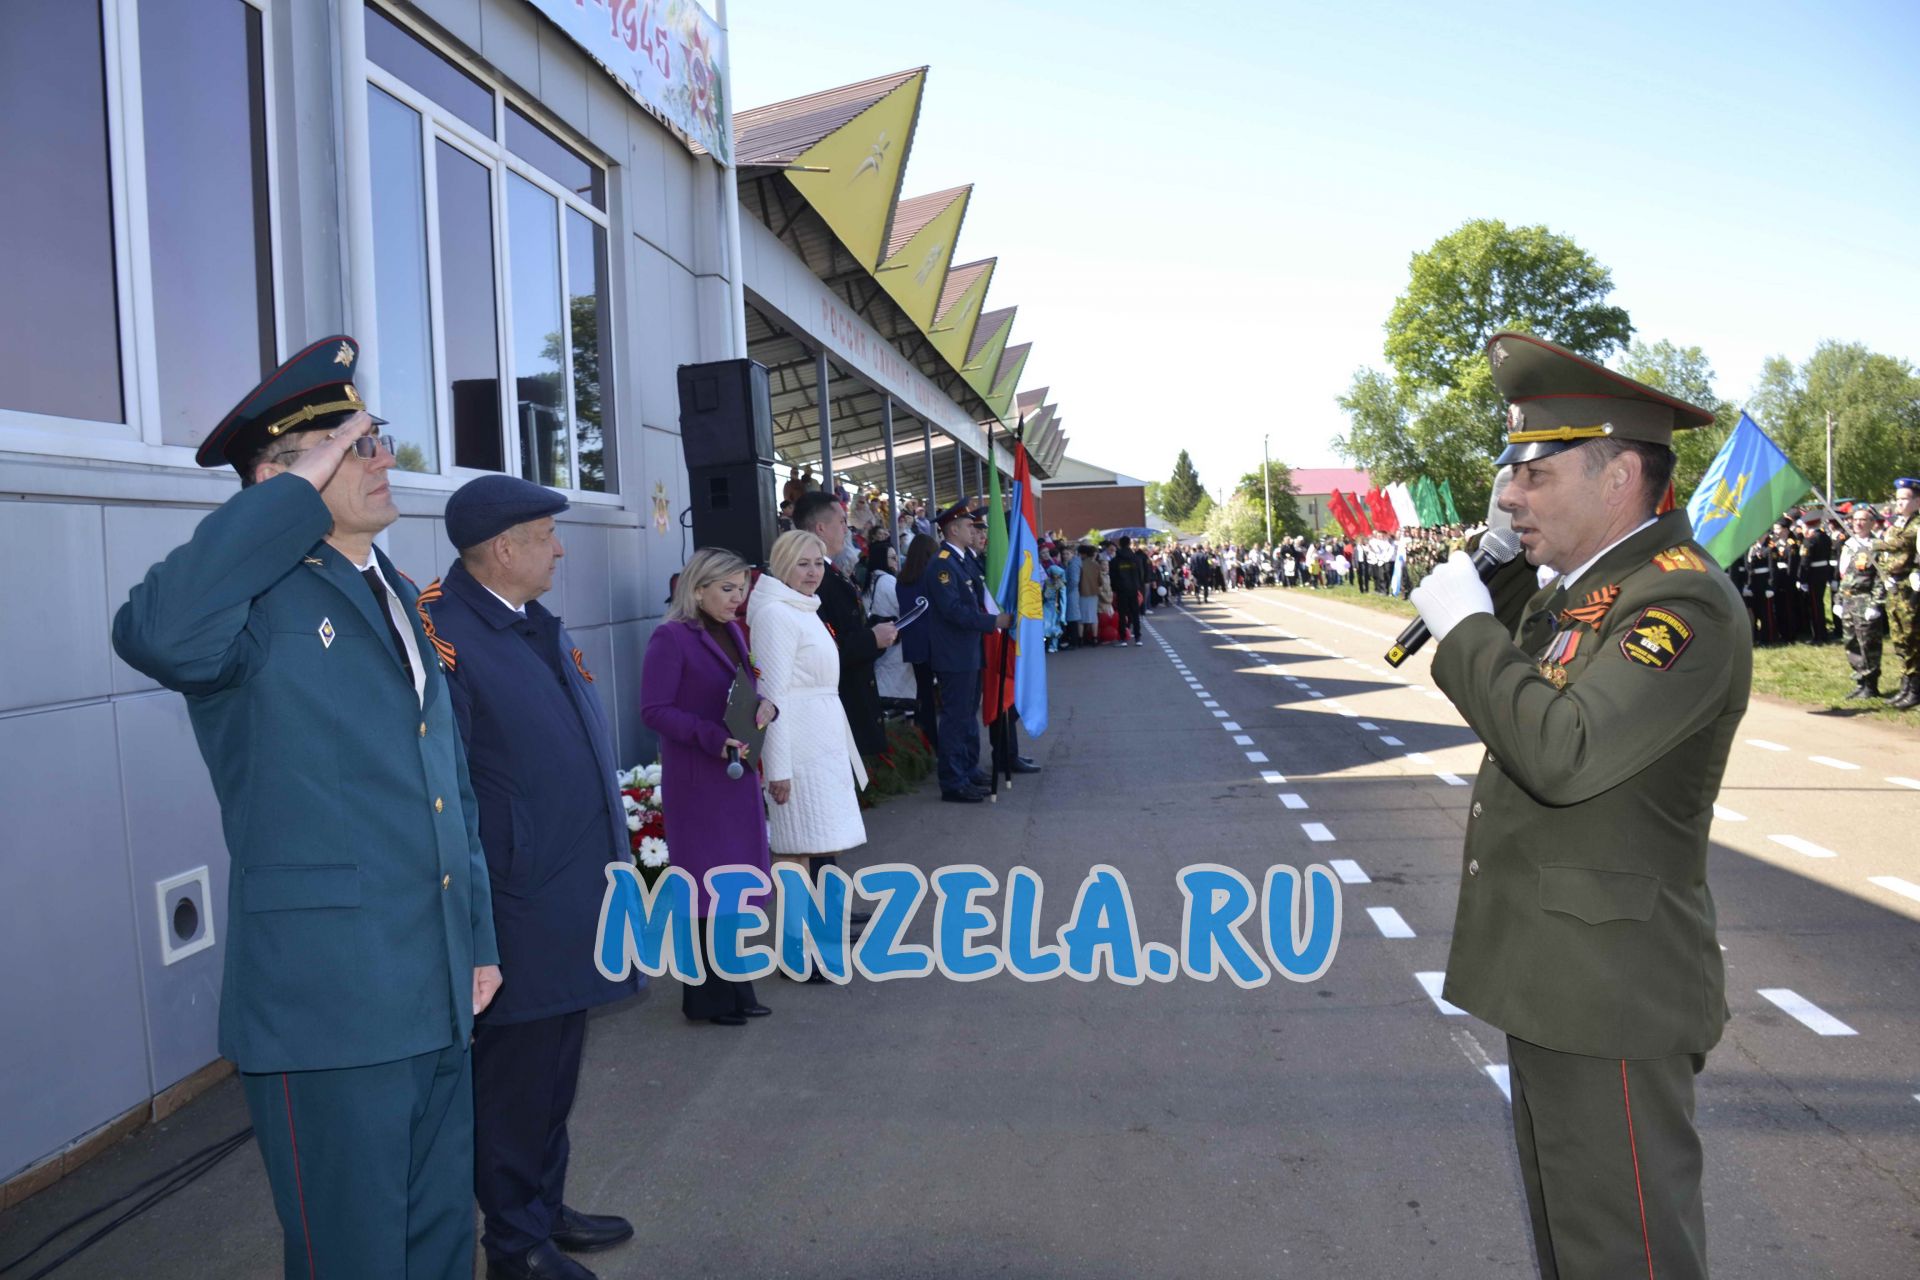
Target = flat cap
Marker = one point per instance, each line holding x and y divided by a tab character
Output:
1558	400
484	508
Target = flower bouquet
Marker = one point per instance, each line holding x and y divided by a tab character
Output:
646	820
902	767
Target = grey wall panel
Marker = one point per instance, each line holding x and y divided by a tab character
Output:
608	110
589	594
665	552
682	300
510	40
57	648
646	188
676	177
460	19
651	338
635	741
173	827
627	566
419	548
74	1055
136	538
563	77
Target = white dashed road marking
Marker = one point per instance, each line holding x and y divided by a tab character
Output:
1317	832
1270	777
1497	1072
1431	984
1391	741
1905	888
1831	763
1292	801
1807	847
1905	782
1764	745
1242	740
1369	726
1389	923
1257	757
1349	871
1725	814
1806	1012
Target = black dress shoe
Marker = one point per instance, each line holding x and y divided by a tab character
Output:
723	1020
1023	765
578	1232
981	781
754	1011
542	1262
962	797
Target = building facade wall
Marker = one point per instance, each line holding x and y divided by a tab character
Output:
1101	507
100	778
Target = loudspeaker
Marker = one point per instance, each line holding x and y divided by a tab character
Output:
726	415
733	507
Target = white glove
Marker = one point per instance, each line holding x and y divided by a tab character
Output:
1913	580
1872	614
1496	518
1451	592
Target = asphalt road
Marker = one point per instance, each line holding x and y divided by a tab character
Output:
1348	1127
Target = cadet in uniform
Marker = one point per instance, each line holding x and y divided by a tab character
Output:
1899	567
551	819
1861	603
360	940
956	619
1608	703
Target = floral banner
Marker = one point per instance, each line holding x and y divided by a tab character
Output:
667	54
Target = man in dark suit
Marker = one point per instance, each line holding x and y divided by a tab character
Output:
551	819
360	942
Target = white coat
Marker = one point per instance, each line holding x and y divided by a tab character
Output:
810	744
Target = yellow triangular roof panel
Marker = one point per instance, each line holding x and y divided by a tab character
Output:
989	340
920	251
859	167
966	289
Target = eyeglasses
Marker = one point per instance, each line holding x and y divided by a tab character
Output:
365	446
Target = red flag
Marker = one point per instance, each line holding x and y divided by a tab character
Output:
1360	513
1389	518
1338	506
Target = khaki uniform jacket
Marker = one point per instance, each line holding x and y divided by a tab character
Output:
1607	708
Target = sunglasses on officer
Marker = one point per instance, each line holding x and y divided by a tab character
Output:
364	447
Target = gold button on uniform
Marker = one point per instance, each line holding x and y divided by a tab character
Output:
423	728
445	881
1473	867
438	804
1476	807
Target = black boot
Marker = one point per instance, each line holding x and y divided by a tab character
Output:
1864	689
1909	695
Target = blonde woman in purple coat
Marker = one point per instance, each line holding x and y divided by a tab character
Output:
712	820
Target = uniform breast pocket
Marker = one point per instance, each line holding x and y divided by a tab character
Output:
299	888
1594	896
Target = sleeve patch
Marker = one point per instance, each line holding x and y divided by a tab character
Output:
1657	638
945	577
1678	558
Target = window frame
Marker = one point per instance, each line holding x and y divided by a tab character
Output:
139	438
439	124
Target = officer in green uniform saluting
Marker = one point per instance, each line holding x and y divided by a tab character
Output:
1607	702
360	940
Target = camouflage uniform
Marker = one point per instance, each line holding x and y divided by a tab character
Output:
1896	561
1861	604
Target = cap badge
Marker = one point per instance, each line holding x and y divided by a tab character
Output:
1516	416
1498	354
344	355
326	633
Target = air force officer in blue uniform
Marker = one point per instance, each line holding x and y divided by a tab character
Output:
360	940
955	586
551	819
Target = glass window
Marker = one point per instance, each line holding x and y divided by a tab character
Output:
59	311
538	337
467	312
587	318
555	158
391	46
204	113
401	300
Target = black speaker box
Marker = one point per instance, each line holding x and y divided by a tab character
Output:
733	507
726	416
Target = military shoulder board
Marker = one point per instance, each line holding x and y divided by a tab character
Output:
1676	558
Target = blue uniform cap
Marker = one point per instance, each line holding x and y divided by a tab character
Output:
1906	482
484	508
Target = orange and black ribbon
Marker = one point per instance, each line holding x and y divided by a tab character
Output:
420	603
581	667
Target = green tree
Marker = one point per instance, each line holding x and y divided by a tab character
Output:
1437	412
1287	520
1686	373
1197	518
1240	520
1875	402
1182	490
1153	498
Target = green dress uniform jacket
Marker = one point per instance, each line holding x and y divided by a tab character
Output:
358	906
1608	707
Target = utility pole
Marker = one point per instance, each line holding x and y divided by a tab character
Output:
1829	462
1266	474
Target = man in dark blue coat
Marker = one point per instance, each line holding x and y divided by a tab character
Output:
360	939
551	819
956	619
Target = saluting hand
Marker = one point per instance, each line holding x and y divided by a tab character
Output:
317	465
486	981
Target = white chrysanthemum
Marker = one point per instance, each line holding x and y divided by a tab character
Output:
631	777
655	802
647	775
653	851
633	812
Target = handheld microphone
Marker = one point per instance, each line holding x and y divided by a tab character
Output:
1498	547
734	768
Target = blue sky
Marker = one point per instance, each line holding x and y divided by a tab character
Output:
1205	212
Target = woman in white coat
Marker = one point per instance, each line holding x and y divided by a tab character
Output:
810	760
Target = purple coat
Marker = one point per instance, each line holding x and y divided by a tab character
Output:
712	820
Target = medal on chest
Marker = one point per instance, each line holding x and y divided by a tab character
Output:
1553	663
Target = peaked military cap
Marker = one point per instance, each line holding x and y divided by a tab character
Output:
313	390
491	505
960	510
1557	400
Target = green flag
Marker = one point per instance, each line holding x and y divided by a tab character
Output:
1427	499
1446	502
996	523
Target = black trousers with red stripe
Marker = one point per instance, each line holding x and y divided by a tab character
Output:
371	1167
1611	1163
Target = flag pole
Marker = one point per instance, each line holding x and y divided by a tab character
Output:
1003	725
1829	462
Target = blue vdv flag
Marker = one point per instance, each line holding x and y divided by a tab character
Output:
1749	483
